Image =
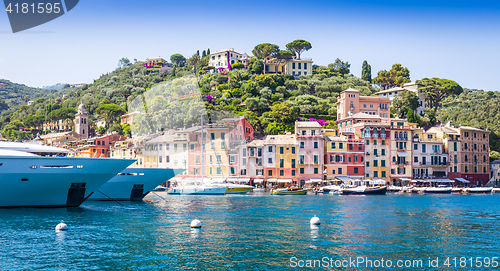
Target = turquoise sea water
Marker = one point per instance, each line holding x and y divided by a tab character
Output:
255	232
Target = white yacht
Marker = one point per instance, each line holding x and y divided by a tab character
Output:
29	180
134	183
130	184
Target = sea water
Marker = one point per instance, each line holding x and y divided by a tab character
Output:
258	231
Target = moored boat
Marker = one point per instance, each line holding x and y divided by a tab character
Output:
479	190
437	190
363	190
286	191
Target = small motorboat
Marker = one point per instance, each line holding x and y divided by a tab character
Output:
363	190
393	188
331	188
438	190
456	190
479	190
288	191
259	190
495	190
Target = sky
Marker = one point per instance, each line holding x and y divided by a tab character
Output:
457	40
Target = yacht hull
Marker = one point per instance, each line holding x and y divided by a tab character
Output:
53	181
133	184
197	190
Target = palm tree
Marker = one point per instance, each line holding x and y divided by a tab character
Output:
195	59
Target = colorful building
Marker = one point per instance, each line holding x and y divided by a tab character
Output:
310	151
350	102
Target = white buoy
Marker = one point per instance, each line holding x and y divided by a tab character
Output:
315	221
61	226
196	224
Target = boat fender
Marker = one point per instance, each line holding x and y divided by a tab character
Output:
196	224
315	220
61	226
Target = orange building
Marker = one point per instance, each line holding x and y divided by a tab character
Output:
350	102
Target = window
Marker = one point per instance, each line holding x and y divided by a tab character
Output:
301	145
293	163
293	150
232	158
167	159
197	159
244	152
375	152
160	159
339	170
270	173
293	65
375	173
212	136
301	161
222	145
299	64
259	152
270	149
212	145
375	163
282	150
465	145
360	147
219	170
270	160
282	162
282	172
210	159
301	171
243	172
244	161
415	146
367	163
210	170
184	147
316	159
341	145
315	145
192	147
415	159
382	164
383	174
305	66
293	172
383	151
315	170
349	159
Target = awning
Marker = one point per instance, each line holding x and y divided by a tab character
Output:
402	154
416	181
308	182
258	181
284	180
405	179
272	180
232	180
244	180
462	180
316	180
377	181
438	180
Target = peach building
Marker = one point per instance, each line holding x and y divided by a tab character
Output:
350	102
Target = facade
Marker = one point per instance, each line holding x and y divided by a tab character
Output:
468	148
377	149
401	151
293	66
335	155
221	60
350	102
128	118
99	147
56	139
430	161
393	93
280	158
310	151
495	174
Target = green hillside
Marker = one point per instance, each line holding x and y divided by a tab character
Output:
13	95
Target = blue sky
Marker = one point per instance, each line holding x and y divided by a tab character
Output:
456	40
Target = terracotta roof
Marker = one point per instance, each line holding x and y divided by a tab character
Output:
308	124
280	139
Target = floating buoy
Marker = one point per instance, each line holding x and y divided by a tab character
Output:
196	224
315	221
62	226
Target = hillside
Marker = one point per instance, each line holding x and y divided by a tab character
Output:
475	108
13	95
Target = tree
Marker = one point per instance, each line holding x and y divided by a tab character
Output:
366	71
397	76
340	67
124	62
298	47
255	65
282	57
404	102
101	130
208	51
262	51
410	116
110	112
194	60
177	59
284	113
237	66
436	89
204	54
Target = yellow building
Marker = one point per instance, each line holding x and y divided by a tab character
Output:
292	66
220	59
335	154
401	151
282	166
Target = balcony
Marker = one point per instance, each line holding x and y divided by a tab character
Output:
434	165
401	150
401	139
400	163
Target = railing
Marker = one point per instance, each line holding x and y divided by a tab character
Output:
400	163
431	164
401	138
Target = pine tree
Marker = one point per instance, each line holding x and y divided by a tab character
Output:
366	72
208	51
198	52
410	116
204	54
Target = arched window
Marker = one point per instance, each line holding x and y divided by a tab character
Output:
401	135
396	135
382	131
352	105
406	135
